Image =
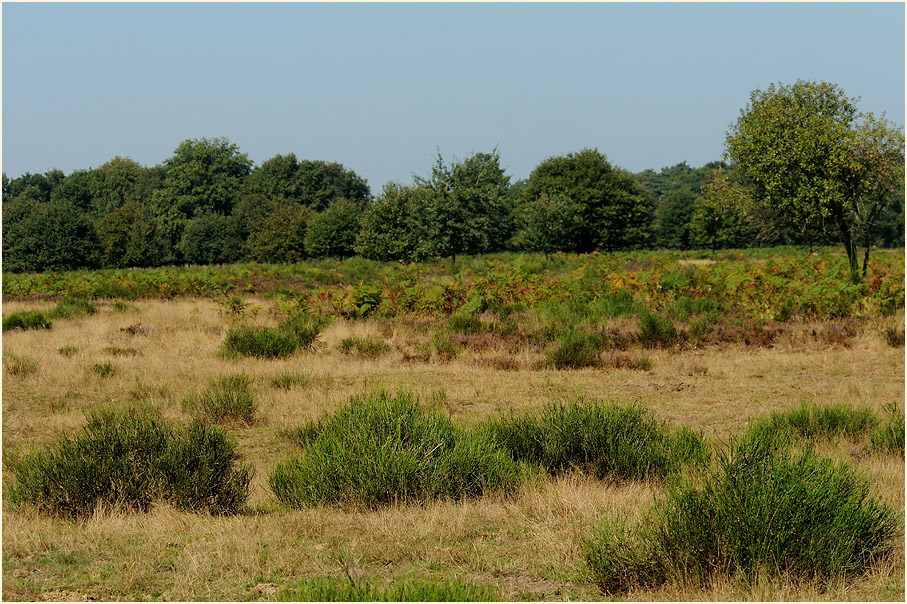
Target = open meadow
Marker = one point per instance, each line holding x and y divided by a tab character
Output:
512	429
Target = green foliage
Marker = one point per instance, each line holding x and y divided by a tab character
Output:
546	224
465	324
765	508
720	217
611	208
608	440
286	379
47	237
367	347
381	449
131	460
333	232
333	589
812	422
575	349
26	320
68	350
281	237
672	219
296	332
441	347
305	329
227	399
889	437
656	330
393	227
105	369
203	237
71	307
20	365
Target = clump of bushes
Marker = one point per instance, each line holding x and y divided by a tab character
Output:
813	422
656	330
26	320
227	399
610	441
382	448
132	459
575	349
336	589
71	306
297	332
367	347
765	507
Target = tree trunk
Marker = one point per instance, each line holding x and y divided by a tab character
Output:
850	247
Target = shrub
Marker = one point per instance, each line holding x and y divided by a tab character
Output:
26	320
20	365
610	441
764	508
71	306
380	449
132	459
889	437
464	324
304	328
656	330
334	589
227	399
575	349
365	347
441	347
286	379
68	350
814	422
263	343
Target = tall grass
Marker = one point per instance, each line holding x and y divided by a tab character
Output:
20	365
71	307
383	448
130	460
367	347
814	422
334	589
889	437
575	349
611	441
227	399
764	508
297	332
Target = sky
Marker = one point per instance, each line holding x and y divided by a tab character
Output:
383	88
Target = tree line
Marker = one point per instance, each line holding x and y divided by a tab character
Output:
208	203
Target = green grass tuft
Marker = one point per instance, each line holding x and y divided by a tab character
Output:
889	437
286	379
575	349
764	508
26	320
71	307
367	347
297	332
20	365
812	422
610	441
130	460
382	448
656	331
227	399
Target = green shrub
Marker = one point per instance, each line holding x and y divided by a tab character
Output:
764	508
365	347
121	306
889	437
464	324
656	330
227	399
70	307
610	441
130	460
20	365
575	349
441	347
380	449
335	589
263	343
26	320
813	422
68	350
286	379
304	328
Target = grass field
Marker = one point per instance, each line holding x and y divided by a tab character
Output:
525	544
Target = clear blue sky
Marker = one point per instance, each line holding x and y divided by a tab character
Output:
382	87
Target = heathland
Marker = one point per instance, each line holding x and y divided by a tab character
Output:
647	425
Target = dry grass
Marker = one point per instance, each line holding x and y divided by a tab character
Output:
528	545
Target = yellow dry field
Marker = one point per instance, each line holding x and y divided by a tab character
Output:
529	546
